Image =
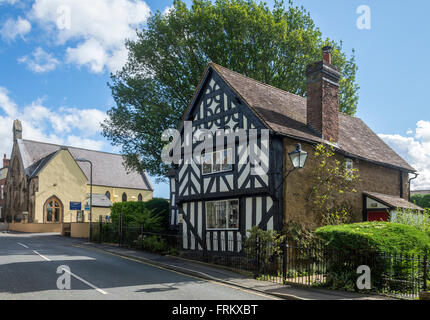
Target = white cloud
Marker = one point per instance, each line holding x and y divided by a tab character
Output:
66	126
97	30
40	61
167	10
415	150
14	28
89	53
8	106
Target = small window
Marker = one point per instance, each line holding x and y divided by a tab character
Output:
139	197
217	161
222	215
124	197
107	194
349	166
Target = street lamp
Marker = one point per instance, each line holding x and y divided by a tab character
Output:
298	159
91	189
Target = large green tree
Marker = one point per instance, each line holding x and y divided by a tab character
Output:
166	61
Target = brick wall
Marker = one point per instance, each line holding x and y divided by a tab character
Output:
375	178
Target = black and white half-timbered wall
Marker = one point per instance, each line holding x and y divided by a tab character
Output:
218	200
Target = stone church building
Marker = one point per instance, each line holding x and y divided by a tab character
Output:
46	184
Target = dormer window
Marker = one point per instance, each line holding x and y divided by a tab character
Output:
217	161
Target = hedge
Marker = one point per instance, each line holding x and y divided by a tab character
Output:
153	214
375	244
376	237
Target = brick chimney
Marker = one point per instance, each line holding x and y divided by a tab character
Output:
5	162
17	130
323	97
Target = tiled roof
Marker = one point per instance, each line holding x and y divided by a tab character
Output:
100	200
108	168
285	113
393	201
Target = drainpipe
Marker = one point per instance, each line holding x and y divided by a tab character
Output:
409	183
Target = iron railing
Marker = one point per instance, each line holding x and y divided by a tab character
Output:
394	274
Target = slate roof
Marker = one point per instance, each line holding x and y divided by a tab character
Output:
285	113
108	168
392	201
100	200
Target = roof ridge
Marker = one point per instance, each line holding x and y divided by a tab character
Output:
257	81
61	145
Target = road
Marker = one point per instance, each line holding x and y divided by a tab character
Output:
29	265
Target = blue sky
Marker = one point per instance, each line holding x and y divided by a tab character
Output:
53	76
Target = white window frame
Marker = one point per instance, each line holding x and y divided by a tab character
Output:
222	229
2	191
229	150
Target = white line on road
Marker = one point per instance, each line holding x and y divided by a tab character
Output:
84	281
22	245
47	259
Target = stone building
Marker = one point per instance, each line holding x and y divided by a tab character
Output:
214	203
47	184
3	175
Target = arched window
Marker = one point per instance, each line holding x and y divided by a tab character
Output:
107	194
124	197
53	210
139	197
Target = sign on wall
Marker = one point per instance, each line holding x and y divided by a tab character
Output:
75	206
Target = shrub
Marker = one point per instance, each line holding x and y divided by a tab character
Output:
159	208
419	220
378	245
375	237
152	214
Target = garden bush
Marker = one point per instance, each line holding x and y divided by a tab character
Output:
153	214
384	237
419	220
387	248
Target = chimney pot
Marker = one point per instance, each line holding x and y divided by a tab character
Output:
327	54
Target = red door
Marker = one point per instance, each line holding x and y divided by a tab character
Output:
377	216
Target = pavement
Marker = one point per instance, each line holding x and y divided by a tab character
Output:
222	275
51	267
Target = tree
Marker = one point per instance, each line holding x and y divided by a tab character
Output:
422	200
168	57
332	181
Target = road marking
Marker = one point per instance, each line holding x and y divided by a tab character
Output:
181	273
22	245
84	281
47	259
